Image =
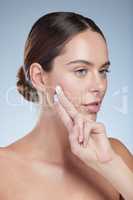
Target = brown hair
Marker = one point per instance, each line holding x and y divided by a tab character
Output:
45	41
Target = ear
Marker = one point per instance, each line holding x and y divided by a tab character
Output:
38	76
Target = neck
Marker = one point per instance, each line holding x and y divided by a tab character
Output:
48	140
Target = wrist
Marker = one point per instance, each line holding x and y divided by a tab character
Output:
105	167
110	165
118	173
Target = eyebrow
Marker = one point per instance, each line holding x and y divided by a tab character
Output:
107	63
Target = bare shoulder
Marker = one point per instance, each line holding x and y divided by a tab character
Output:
6	158
5	165
121	149
3	151
4	155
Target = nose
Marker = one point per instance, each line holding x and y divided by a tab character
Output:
98	85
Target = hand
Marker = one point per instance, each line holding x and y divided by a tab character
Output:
88	139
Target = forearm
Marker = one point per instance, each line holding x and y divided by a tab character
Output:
120	176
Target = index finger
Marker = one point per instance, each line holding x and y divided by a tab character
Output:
68	106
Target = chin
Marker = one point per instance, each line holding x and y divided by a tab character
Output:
92	116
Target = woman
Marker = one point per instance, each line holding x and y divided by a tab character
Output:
67	155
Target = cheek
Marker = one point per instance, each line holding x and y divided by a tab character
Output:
72	89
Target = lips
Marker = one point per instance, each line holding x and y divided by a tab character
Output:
93	107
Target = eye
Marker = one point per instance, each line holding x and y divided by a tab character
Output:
81	72
105	71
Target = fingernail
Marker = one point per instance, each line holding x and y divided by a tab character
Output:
58	89
55	98
80	138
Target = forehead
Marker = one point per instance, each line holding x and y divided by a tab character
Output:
87	45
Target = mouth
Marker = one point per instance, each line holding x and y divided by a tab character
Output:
93	107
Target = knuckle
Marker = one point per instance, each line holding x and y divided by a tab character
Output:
100	124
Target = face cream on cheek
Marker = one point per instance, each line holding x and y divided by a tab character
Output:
57	91
55	98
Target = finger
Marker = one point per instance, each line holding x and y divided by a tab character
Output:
100	127
75	133
79	122
68	106
74	139
101	140
87	132
63	114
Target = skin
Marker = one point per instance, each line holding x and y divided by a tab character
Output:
50	157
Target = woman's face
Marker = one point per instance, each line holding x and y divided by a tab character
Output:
81	71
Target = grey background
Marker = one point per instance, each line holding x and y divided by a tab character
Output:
18	116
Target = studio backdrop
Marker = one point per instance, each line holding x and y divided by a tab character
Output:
17	116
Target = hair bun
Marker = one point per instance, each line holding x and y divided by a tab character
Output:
24	88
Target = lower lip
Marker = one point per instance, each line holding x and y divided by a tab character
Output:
93	108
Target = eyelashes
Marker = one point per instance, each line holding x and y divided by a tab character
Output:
79	72
83	72
105	70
